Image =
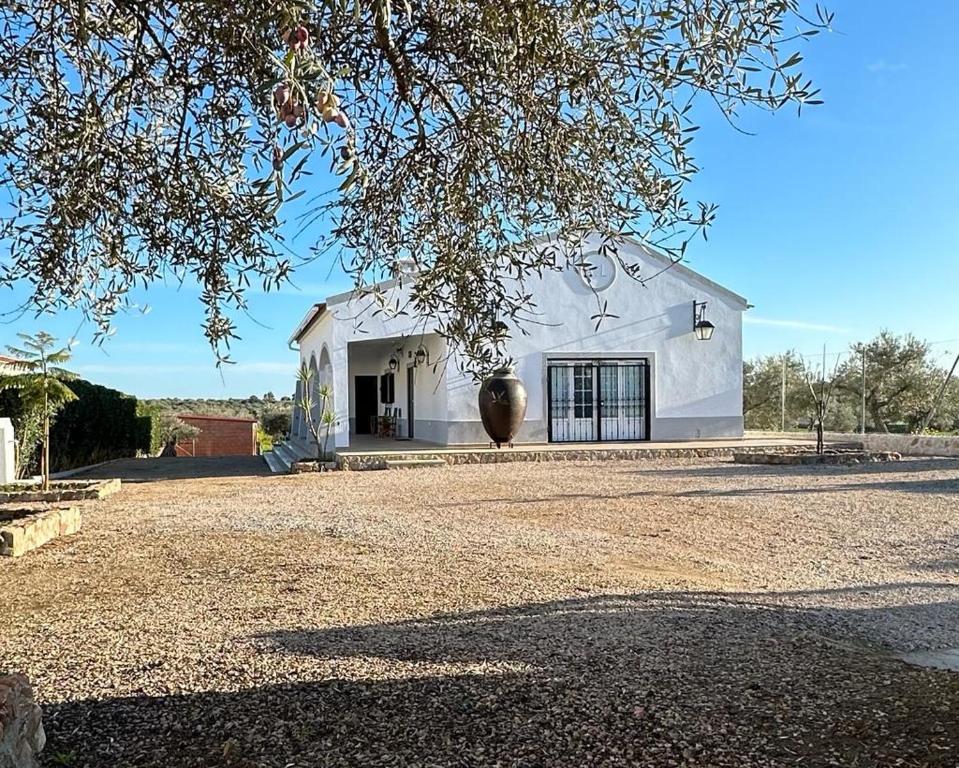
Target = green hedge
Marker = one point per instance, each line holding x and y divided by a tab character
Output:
100	424
148	428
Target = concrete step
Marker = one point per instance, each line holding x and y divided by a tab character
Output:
275	463
286	454
413	463
300	448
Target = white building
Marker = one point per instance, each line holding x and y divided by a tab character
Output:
644	375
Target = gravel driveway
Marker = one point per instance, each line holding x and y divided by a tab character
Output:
605	614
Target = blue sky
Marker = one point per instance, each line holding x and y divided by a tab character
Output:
834	225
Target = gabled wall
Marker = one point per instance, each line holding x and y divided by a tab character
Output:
696	386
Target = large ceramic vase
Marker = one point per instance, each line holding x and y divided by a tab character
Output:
502	406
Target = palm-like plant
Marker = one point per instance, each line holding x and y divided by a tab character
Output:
320	420
39	379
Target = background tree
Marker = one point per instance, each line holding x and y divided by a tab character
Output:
39	380
762	392
254	407
277	423
172	430
943	413
902	379
902	382
459	129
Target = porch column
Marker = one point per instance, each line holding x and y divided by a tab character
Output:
341	396
295	421
302	430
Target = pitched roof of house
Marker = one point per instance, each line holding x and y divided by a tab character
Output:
317	310
313	314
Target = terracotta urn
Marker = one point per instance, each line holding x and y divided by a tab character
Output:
502	405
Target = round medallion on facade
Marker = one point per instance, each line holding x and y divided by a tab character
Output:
600	273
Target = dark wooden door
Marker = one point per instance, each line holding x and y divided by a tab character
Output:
366	403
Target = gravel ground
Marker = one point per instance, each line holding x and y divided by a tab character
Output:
607	614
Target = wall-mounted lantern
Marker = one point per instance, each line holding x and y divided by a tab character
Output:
394	362
701	326
421	356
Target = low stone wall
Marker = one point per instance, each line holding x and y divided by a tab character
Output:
21	727
809	457
912	445
22	531
298	467
68	490
367	461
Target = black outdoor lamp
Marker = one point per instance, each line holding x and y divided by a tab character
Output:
394	363
422	356
701	326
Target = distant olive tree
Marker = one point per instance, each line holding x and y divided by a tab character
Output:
766	380
172	429
902	379
276	423
142	139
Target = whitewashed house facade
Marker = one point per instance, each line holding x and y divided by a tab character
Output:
644	375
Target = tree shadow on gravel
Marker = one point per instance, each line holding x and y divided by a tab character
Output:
651	679
180	468
728	469
901	486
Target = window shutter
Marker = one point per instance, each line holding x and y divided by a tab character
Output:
387	388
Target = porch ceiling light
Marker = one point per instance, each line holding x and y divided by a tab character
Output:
701	326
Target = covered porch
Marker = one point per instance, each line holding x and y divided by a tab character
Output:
394	391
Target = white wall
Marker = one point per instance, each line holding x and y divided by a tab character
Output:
430	397
8	467
696	386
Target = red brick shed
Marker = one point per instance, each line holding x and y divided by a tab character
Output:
219	436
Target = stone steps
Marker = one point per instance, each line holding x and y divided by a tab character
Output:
275	463
287	453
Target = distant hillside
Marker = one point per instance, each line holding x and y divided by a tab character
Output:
271	412
251	406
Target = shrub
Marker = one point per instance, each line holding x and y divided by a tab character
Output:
28	427
276	423
100	424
